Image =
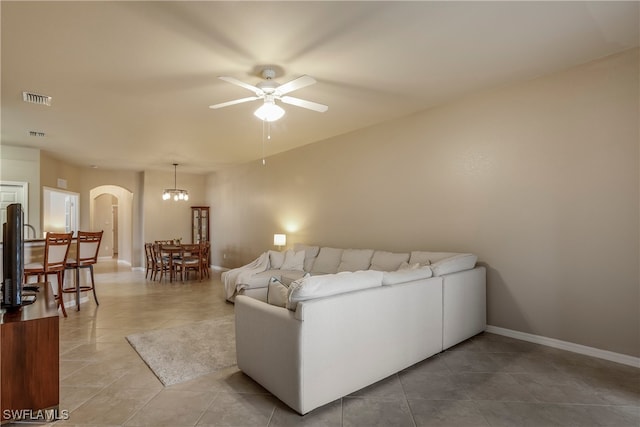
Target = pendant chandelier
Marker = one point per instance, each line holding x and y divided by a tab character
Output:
175	193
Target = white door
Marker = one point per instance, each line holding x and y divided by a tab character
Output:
13	192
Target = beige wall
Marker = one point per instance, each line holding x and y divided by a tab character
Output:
167	219
21	164
539	179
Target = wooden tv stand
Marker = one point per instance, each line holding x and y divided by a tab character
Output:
29	358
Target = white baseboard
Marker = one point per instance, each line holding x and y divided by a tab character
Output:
219	268
569	346
138	269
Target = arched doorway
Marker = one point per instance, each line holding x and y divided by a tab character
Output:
111	210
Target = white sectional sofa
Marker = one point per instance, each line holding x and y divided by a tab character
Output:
252	279
326	336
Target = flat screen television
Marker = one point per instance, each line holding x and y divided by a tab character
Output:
12	256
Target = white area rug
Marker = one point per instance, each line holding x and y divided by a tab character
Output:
179	354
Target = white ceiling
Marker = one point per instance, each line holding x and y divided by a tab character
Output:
132	81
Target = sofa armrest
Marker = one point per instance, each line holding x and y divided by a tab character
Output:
464	305
268	346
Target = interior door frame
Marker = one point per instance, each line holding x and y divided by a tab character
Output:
25	199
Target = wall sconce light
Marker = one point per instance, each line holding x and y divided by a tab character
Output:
279	240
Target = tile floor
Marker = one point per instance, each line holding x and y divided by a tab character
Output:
488	380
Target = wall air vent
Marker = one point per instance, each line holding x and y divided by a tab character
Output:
35	133
35	98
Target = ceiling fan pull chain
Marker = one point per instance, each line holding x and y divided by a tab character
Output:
263	131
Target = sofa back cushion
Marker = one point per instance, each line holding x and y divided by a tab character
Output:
355	259
453	264
426	258
331	284
387	261
327	261
293	260
310	254
406	275
275	260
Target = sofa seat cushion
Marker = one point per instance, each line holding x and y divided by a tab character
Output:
406	275
331	284
453	264
327	261
355	259
388	261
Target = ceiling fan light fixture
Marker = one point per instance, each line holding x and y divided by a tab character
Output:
269	111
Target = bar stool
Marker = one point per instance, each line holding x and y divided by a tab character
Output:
56	250
88	245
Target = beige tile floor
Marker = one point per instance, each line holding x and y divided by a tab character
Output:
488	380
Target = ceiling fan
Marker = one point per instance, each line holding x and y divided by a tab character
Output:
270	91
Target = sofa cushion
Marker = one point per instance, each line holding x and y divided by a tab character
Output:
276	259
452	264
289	276
293	260
331	284
387	261
327	261
277	292
420	257
426	258
406	275
355	259
310	254
407	266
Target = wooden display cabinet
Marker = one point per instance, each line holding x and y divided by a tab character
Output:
200	224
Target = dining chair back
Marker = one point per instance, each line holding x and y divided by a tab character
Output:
190	260
148	253
204	257
87	249
56	250
160	263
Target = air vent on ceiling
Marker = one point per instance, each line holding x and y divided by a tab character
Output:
35	133
35	98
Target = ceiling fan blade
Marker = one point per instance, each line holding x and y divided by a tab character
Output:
240	83
295	84
321	108
234	102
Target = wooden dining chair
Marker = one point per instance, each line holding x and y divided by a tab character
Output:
190	260
204	256
87	247
148	253
56	250
160	263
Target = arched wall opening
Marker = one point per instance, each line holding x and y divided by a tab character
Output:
111	210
